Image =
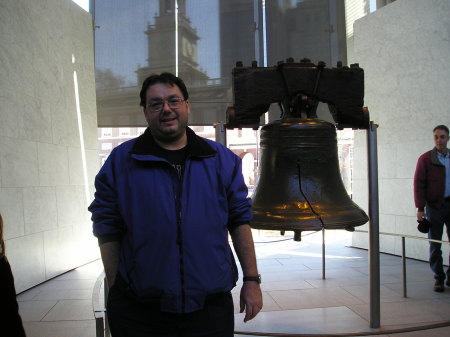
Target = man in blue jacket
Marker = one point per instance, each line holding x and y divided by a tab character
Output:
164	205
432	198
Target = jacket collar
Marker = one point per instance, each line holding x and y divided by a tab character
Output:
434	157
197	146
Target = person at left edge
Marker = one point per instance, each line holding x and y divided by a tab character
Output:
10	320
164	205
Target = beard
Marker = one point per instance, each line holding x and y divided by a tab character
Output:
168	135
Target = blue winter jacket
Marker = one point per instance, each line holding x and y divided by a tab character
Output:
174	243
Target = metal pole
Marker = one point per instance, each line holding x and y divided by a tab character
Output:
107	332
323	253
221	133
374	230
404	266
99	327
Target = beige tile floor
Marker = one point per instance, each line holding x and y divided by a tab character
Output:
297	300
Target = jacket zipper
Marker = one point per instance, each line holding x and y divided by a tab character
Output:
179	182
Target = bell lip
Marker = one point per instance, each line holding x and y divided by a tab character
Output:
351	214
303	227
310	227
298	120
314	223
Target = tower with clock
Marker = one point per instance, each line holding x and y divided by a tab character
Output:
162	40
208	97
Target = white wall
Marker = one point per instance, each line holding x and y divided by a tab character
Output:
404	49
43	195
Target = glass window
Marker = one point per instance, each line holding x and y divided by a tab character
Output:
124	132
134	39
211	35
313	29
106	132
106	146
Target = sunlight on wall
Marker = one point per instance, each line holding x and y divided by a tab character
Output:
83	4
89	250
80	130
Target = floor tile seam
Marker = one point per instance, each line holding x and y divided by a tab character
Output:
401	300
64	280
349	307
28	299
407	305
391	275
357	270
299	264
39	300
431	300
274	301
303	308
48	311
75	300
302	289
66	320
386	286
333	283
288	278
283	269
315	306
312	285
291	288
87	298
358	300
386	300
353	296
279	263
390	286
64	289
441	301
440	319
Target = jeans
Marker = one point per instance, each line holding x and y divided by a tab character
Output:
438	217
130	318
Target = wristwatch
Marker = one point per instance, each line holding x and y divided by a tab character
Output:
253	278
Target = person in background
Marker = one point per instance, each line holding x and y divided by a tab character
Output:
10	320
432	199
164	205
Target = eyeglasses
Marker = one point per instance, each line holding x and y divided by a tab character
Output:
158	104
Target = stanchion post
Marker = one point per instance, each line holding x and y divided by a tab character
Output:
221	133
404	266
374	230
107	332
323	253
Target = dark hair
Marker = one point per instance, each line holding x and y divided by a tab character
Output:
166	78
441	127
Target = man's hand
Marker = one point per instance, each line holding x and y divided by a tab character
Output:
251	296
420	215
251	300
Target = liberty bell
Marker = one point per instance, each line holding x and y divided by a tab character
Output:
299	187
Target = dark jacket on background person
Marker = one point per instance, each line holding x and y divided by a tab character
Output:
173	232
10	320
429	181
